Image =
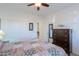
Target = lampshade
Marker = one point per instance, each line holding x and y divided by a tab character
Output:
1	33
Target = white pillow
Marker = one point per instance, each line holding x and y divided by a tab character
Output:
35	45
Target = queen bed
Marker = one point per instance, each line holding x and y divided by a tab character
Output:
34	48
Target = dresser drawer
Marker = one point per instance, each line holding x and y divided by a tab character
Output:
61	38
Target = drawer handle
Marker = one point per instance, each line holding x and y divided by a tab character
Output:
65	40
65	35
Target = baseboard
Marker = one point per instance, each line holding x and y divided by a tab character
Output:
74	54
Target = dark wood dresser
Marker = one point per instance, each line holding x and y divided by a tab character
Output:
61	38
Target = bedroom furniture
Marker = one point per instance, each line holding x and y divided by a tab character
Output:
1	35
1	32
61	37
32	48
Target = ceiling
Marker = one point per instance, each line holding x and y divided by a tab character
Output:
22	8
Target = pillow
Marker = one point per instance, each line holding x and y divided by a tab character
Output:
35	45
1	45
7	46
25	45
17	51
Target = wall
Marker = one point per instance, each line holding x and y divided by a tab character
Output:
70	19
16	27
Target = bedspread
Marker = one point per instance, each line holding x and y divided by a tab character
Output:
32	49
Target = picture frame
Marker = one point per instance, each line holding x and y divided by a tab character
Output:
50	30
30	26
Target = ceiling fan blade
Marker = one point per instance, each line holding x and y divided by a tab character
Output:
45	4
38	8
30	4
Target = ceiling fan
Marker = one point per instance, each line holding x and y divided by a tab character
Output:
38	5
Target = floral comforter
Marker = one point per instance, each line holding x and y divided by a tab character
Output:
31	49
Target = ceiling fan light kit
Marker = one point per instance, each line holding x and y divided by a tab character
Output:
38	5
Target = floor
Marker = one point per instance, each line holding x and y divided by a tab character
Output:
72	54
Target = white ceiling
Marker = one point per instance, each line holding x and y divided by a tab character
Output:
22	8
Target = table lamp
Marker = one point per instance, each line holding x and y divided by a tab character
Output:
1	34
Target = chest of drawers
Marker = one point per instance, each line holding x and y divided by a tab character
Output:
61	38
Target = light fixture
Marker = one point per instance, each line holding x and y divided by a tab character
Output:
1	32
37	4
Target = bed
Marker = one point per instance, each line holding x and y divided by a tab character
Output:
25	48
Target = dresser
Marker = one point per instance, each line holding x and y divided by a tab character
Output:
61	37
